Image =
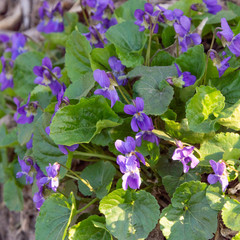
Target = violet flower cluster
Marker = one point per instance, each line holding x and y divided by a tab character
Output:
14	45
51	181
185	156
51	18
220	174
101	12
227	37
129	163
210	6
149	19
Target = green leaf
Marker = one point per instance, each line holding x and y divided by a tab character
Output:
171	182
99	176
7	139
126	11
45	151
81	122
234	7
215	19
231	214
89	229
55	217
182	132
168	36
42	94
130	215
184	5
229	86
237	237
192	61
128	41
81	87
77	55
214	196
153	88
23	72
189	216
162	58
229	117
99	57
215	148
12	195
203	109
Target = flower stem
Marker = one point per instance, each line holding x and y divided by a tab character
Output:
148	54
86	206
77	153
84	13
206	65
79	178
123	95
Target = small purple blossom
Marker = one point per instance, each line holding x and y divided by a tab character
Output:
18	45
52	177
147	19
130	163
187	78
210	6
48	76
26	170
140	119
6	77
104	10
26	112
220	174
29	143
169	16
51	19
4	38
221	64
185	155
117	70
227	37
108	86
64	149
185	39
147	135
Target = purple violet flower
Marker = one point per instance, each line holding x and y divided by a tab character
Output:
89	3
140	119
29	143
169	15
104	10
48	76
117	70
18	43
6	77
220	174
27	111
222	65
108	86
26	170
210	6
185	155
64	149
185	79
4	38
51	19
129	164
96	36
147	135
52	179
146	19
227	37
185	39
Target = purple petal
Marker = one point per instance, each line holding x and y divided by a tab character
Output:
224	181
134	125
47	62
139	103
101	77
130	109
212	179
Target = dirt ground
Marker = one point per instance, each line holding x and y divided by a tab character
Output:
22	15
